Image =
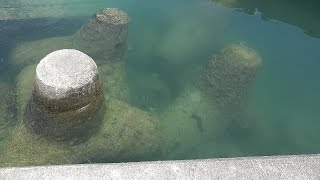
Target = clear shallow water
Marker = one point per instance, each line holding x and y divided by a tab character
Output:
168	41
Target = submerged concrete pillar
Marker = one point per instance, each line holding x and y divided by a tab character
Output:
67	100
104	37
229	76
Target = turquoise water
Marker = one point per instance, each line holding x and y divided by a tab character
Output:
170	40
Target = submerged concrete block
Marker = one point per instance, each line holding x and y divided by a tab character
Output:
114	75
123	133
67	96
228	77
104	37
189	121
7	112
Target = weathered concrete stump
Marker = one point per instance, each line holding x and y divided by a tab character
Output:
228	77
48	134
67	96
104	37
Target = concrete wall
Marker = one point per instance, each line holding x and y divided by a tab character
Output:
275	167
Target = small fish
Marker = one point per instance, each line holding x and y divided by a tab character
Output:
198	120
145	98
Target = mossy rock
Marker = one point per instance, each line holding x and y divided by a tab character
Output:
7	112
127	133
114	80
229	75
189	121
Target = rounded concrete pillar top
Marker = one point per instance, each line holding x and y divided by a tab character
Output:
63	71
66	79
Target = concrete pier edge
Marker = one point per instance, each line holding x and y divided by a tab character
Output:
264	167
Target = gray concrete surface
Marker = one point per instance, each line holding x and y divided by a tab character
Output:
67	100
66	72
274	167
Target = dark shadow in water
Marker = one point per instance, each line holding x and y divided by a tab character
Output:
303	14
15	31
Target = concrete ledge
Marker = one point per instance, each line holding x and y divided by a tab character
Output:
275	167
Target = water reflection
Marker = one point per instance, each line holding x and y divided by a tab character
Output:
304	14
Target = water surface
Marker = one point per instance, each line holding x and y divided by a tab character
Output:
168	42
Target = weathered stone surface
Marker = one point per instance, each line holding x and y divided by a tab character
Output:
228	77
7	112
67	100
66	79
126	133
104	37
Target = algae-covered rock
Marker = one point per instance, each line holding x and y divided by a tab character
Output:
31	52
126	133
104	36
7	112
190	120
114	80
228	77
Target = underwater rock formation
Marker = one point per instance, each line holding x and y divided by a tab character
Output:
228	77
189	121
112	71
125	133
115	75
67	96
7	112
104	37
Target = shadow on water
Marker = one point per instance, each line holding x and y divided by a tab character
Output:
303	14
